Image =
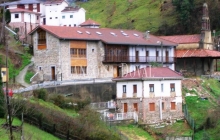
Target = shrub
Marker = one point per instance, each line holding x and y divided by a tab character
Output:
40	94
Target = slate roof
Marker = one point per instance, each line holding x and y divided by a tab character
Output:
90	22
21	2
150	73
18	10
197	53
108	36
70	9
183	39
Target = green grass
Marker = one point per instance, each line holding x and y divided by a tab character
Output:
29	132
28	76
201	106
134	132
140	15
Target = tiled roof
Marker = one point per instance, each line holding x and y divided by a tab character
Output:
196	53
90	22
70	8
18	10
151	73
109	36
183	39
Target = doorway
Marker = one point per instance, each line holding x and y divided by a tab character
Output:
125	107
53	77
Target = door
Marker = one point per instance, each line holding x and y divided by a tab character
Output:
167	56
137	56
115	72
53	73
125	107
136	107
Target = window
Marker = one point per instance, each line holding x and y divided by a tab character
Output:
41	40
56	17
151	106
151	86
163	106
37	17
16	15
172	87
157	53
74	52
147	53
124	88
161	87
39	68
173	105
71	16
78	69
63	17
50	17
134	88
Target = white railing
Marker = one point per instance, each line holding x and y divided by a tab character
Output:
102	105
108	116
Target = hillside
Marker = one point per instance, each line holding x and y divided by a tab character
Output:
158	16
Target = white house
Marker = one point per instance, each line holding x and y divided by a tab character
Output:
155	93
66	53
72	16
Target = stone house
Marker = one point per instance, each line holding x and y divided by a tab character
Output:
155	93
66	53
196	54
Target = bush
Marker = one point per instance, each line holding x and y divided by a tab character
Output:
40	94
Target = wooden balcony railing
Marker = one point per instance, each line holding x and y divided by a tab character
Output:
140	59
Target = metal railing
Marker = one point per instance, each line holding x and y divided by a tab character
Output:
103	105
141	59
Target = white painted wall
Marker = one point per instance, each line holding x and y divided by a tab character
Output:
30	17
78	18
13	19
166	88
129	88
157	88
54	11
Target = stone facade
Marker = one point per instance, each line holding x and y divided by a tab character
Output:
150	117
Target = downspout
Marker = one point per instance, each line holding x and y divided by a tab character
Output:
143	105
160	102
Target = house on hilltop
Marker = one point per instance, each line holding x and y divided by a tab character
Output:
154	93
195	54
27	14
66	53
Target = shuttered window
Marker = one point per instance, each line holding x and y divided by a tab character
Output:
173	105
151	106
134	88
151	87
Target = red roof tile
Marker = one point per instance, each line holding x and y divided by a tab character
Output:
17	10
151	73
196	53
183	39
109	36
90	22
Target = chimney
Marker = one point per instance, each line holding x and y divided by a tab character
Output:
147	35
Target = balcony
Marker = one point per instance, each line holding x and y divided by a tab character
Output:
140	59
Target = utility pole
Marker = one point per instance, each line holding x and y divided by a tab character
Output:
7	77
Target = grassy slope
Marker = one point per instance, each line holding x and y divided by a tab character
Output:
200	109
141	15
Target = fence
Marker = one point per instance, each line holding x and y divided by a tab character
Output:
103	105
108	116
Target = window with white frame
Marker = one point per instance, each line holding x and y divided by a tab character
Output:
124	88
71	16
16	15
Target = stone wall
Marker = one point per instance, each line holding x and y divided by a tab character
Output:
150	117
98	92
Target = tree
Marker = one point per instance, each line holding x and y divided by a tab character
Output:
7	16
